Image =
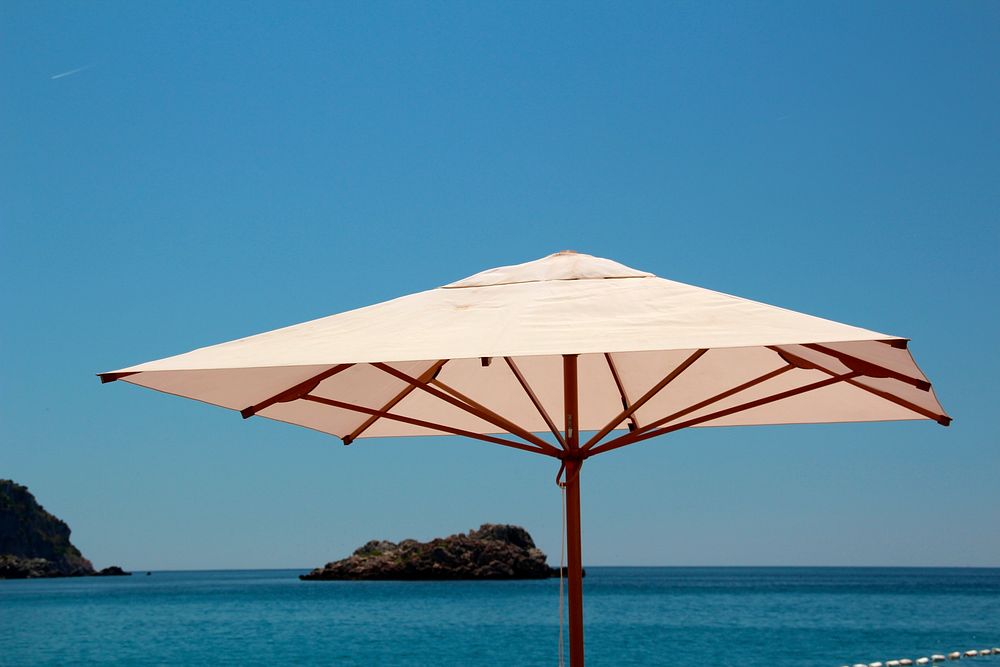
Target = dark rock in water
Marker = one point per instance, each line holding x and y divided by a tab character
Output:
113	571
16	567
34	543
492	552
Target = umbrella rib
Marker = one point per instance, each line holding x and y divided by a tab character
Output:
428	374
471	407
867	367
716	398
382	414
294	392
944	420
627	412
629	438
534	401
621	390
502	422
111	377
637	437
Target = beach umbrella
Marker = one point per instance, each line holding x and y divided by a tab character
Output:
570	356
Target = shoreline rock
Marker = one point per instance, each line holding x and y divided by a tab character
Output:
35	544
16	567
494	551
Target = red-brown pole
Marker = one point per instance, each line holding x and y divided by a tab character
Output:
574	573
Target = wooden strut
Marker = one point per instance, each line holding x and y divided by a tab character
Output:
472	408
633	423
637	437
667	379
382	414
294	392
534	401
866	367
705	403
503	422
944	420
429	374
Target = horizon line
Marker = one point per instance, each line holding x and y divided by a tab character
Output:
678	567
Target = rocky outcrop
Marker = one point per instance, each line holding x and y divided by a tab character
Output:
15	567
34	543
492	552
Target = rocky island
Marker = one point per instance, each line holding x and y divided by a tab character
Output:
34	543
495	551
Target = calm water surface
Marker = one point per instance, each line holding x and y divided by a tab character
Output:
822	617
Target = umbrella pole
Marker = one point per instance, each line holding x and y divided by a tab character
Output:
574	564
573	462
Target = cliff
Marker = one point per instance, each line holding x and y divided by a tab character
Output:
33	542
492	552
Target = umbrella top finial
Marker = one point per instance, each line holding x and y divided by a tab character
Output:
563	265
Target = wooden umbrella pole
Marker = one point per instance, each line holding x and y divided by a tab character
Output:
574	569
573	462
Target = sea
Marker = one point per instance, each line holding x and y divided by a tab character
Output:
750	617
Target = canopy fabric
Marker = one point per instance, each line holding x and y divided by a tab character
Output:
686	356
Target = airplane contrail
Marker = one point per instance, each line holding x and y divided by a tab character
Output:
72	71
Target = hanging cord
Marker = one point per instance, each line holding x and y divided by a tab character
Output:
562	566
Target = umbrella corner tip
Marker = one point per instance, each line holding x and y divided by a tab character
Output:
111	377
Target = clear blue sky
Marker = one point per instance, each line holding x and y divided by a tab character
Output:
220	169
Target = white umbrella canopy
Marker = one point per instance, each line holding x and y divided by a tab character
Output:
498	338
502	355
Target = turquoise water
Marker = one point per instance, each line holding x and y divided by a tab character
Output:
635	616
